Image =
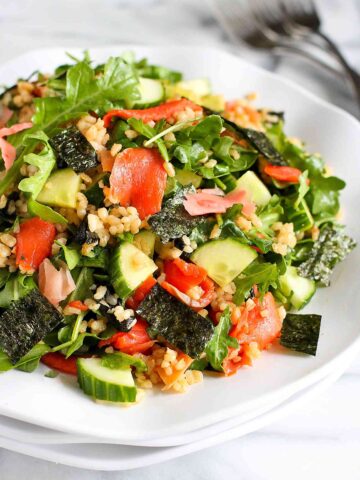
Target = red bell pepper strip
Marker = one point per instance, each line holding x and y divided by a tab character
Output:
57	361
140	293
135	341
78	305
165	111
34	242
183	275
283	174
138	178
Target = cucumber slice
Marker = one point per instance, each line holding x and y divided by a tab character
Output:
297	289
151	92
255	190
199	86
213	102
145	241
186	177
61	189
129	267
223	259
102	383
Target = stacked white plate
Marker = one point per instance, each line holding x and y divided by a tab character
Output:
52	419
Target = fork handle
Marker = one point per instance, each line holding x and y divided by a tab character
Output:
352	75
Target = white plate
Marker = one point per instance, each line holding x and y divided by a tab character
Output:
28	433
112	457
279	373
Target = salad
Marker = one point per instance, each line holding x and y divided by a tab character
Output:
151	231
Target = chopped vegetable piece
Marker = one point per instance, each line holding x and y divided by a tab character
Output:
61	189
26	322
7	150
173	221
262	324
170	379
123	360
102	383
140	293
34	242
72	149
209	201
135	341
78	305
221	341
283	174
165	111
207	286
138	178
57	361
331	247
174	321
183	275
55	284
301	332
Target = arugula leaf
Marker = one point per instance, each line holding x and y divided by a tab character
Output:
16	287
325	195
217	348
153	71
85	91
229	228
37	209
221	148
79	341
72	255
330	248
44	161
122	360
263	275
28	363
271	213
84	280
149	132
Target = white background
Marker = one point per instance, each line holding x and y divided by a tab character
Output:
321	440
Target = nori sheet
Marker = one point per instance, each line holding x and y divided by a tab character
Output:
173	221
72	149
26	322
301	332
260	142
330	248
177	323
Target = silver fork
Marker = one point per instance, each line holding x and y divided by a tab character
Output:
299	20
273	25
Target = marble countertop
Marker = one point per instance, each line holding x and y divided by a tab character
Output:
320	440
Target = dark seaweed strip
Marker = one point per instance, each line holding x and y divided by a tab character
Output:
260	142
175	322
72	149
301	332
331	248
173	221
25	323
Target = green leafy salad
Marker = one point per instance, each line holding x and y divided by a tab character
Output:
151	231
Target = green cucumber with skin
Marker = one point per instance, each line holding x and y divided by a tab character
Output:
223	259
102	383
129	267
297	289
151	92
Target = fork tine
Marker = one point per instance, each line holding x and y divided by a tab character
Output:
238	22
